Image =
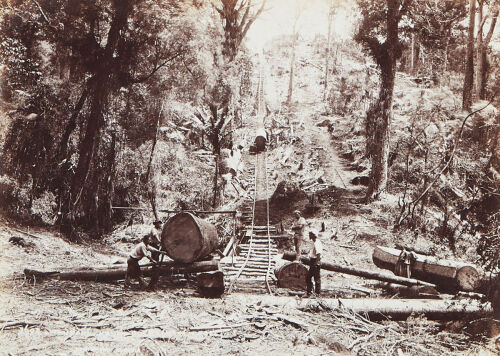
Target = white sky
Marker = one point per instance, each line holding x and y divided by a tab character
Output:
313	19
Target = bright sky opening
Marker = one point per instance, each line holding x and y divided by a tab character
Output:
279	16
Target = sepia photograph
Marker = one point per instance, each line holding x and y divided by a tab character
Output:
250	177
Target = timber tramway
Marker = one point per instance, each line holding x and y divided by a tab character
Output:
251	267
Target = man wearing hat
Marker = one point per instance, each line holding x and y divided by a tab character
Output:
315	266
298	228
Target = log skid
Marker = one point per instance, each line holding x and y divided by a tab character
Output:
447	275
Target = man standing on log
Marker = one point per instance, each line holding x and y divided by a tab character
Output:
298	228
133	269
315	266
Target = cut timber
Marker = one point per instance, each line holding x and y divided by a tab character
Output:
211	284
361	272
447	275
112	274
401	309
291	275
187	238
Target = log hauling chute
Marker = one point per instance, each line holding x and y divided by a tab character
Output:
187	238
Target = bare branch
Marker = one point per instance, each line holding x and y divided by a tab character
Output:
253	18
459	136
155	69
492	27
41	11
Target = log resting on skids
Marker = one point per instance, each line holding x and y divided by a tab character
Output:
447	275
290	256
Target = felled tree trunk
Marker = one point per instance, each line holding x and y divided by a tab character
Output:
361	272
112	274
401	309
447	275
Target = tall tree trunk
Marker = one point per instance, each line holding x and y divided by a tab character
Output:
380	124
413	54
445	60
469	65
155	139
479	54
390	51
70	127
98	92
105	212
484	55
216	187
327	56
292	69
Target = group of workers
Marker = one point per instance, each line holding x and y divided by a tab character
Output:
150	247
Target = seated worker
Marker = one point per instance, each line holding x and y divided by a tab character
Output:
133	269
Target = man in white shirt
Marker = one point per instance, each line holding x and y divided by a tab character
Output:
315	266
133	269
298	228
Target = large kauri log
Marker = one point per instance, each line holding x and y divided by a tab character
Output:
401	309
447	275
290	256
112	274
187	238
291	275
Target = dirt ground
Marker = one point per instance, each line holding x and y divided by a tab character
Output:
62	317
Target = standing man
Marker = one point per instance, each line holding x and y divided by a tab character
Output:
155	240
155	233
315	266
133	269
298	227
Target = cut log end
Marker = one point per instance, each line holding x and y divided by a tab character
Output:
467	278
291	275
187	238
